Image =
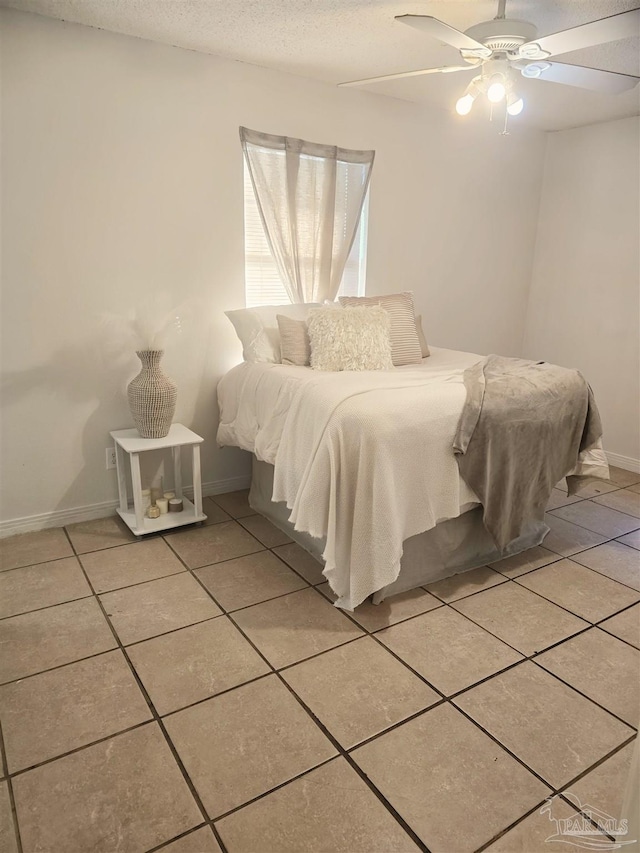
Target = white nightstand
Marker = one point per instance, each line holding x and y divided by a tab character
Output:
129	441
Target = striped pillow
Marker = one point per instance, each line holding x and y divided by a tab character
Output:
294	340
424	346
405	344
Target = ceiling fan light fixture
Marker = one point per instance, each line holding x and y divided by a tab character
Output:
515	105
502	47
496	90
464	104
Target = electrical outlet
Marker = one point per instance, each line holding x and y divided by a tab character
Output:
110	453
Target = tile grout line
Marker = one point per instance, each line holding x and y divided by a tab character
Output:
532	658
192	624
590	568
53	758
566	609
371	634
229	613
587	817
136	540
344	754
278	787
618	612
271	550
554	513
601	573
155	715
572	558
358	625
15	773
332	740
511	826
183	571
557	555
54	668
605	538
429	684
366	632
615	636
565	789
163	846
530	813
536	592
45	607
581	693
597	502
515	649
12	800
106	651
600	625
36	564
443	700
546	782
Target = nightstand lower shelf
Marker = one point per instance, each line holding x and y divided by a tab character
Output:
167	521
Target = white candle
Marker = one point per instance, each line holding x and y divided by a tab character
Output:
163	505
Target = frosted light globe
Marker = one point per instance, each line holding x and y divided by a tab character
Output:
516	107
496	92
464	104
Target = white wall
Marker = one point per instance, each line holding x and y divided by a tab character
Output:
584	306
122	178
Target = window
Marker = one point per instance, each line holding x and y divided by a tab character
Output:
263	285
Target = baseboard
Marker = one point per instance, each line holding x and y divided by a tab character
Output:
626	462
61	517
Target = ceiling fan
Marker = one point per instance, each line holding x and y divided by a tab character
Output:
502	48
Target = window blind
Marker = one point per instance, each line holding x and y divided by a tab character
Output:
263	285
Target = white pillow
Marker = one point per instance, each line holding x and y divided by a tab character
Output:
350	339
405	344
258	331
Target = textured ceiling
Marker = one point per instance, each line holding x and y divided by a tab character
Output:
337	40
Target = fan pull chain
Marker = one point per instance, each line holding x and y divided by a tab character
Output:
504	131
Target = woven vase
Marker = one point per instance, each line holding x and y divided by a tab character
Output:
152	396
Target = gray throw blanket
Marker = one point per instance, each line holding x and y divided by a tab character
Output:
521	431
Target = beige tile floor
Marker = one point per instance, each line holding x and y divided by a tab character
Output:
198	692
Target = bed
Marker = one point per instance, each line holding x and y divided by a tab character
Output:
358	468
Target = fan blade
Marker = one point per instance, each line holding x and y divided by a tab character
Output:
609	82
443	32
621	26
445	69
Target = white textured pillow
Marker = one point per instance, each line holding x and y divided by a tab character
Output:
257	328
351	339
405	344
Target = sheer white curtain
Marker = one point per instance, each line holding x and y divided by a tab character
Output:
310	199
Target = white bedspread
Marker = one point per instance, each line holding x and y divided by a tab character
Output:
362	459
